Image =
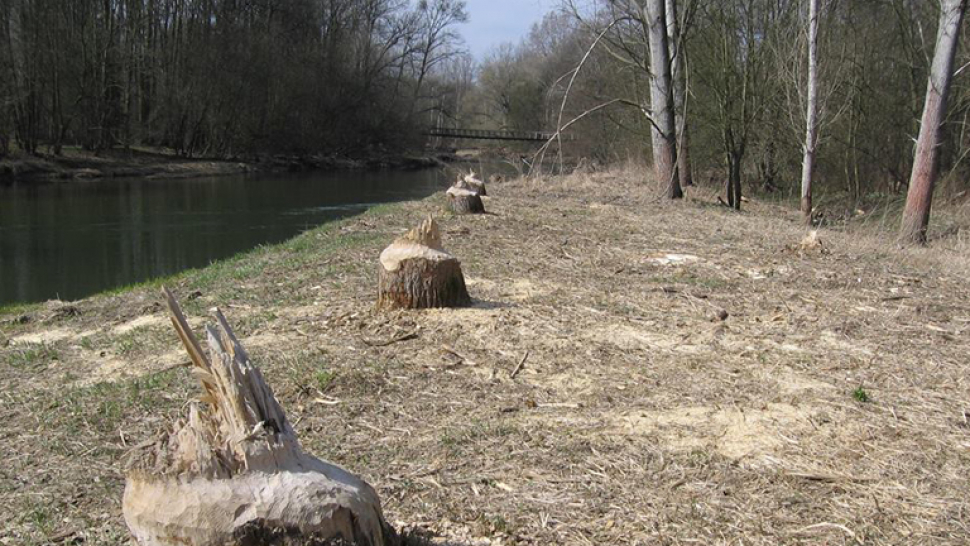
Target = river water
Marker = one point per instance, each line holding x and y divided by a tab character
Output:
71	239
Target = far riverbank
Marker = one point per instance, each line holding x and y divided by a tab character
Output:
151	163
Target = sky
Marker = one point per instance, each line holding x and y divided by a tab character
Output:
492	22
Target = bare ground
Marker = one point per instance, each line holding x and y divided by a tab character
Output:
830	406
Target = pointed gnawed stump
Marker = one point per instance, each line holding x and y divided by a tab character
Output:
417	273
234	473
471	182
464	200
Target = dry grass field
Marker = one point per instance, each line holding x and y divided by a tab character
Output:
689	375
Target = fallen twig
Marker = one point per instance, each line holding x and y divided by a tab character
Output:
518	368
63	537
461	357
405	337
185	364
826	524
827	477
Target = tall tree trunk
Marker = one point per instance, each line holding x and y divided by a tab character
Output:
24	101
811	132
733	184
679	89
56	43
663	129
916	216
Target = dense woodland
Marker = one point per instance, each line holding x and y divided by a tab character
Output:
234	77
739	72
220	77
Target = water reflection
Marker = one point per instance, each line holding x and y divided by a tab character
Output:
71	239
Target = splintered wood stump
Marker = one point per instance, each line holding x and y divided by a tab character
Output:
474	184
234	473
465	201
417	273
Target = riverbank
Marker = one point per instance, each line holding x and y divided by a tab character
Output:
156	163
686	374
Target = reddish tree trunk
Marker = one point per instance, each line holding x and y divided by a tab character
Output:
916	216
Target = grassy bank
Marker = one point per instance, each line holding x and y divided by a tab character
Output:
829	406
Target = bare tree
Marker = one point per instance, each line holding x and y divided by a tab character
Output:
24	101
675	34
916	216
437	37
663	129
733	75
811	132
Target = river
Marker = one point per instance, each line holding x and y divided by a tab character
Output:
67	240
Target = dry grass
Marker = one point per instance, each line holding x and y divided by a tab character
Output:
638	417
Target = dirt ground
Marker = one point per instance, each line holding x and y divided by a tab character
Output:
689	375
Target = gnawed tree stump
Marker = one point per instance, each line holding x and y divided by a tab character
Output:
465	201
417	273
234	473
471	182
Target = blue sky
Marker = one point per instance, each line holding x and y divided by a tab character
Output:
492	22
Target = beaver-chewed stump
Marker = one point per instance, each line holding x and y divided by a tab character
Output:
465	201
473	183
235	474
417	273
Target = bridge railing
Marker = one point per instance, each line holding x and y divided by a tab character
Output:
488	134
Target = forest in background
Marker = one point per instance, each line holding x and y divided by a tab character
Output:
745	70
228	78
220	78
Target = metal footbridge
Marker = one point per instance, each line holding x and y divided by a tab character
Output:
488	134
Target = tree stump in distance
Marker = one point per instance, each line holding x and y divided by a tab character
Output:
471	182
417	273
465	201
234	473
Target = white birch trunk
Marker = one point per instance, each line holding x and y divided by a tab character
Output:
678	78
811	132
663	130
